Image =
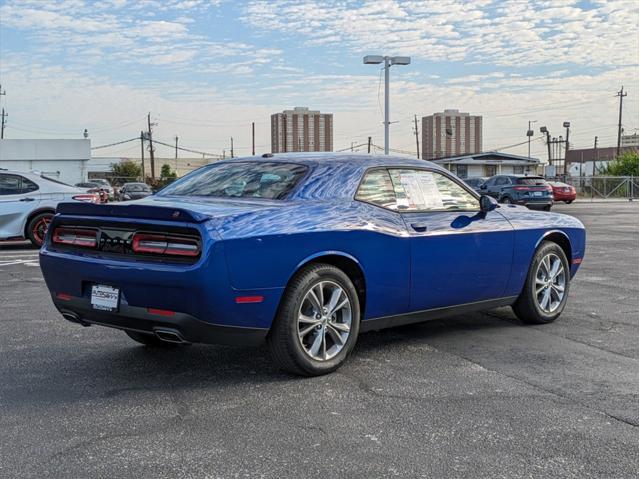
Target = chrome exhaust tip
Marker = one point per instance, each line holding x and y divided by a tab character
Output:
169	336
74	318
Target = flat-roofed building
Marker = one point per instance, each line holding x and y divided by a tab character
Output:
451	133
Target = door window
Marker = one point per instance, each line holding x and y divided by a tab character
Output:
421	190
502	181
377	188
15	185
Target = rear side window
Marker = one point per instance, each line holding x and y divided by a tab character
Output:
240	180
15	185
532	181
377	188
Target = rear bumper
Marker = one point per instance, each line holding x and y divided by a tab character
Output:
131	318
535	204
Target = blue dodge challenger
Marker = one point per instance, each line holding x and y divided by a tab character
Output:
305	251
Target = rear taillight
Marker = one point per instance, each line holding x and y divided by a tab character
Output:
88	198
165	244
85	238
521	188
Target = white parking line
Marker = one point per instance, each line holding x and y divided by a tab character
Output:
15	256
26	261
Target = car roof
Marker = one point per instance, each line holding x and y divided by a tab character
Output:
361	159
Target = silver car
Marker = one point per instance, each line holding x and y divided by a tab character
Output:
28	202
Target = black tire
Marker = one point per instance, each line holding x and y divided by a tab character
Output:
506	200
568	202
527	306
37	228
283	341
547	208
150	340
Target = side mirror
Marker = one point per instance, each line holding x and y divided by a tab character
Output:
483	186
487	203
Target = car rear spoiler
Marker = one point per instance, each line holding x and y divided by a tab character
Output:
131	211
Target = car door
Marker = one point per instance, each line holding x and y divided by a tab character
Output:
502	186
459	255
18	198
488	188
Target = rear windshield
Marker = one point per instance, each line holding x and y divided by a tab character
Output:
138	187
531	180
240	180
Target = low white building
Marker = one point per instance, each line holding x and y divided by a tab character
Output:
65	160
489	164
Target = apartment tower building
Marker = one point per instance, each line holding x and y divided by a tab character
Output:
451	133
301	129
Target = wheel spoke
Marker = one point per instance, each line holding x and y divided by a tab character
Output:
341	327
545	299
554	270
320	295
337	337
558	287
332	302
317	343
312	297
307	330
302	318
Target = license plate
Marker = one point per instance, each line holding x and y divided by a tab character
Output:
105	298
536	193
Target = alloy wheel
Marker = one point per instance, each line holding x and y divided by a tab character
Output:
550	283
324	320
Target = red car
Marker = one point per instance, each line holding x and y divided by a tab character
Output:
563	192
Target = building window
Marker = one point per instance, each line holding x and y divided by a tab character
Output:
490	170
462	171
518	170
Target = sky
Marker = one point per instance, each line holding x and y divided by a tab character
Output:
206	69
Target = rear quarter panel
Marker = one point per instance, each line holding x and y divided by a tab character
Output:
264	249
531	228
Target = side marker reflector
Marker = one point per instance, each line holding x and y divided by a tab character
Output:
161	312
249	299
63	296
576	260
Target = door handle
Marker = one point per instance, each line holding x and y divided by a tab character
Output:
27	199
419	227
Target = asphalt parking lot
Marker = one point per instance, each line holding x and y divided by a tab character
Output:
479	395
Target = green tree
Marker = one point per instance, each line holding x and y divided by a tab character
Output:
125	171
166	173
625	165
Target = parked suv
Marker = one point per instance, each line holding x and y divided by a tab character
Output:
531	191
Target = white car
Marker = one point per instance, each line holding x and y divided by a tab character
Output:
28	202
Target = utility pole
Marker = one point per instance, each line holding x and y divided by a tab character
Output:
151	147
530	134
620	94
567	127
4	115
352	143
594	161
417	136
370	138
253	138
232	147
176	148
142	154
543	129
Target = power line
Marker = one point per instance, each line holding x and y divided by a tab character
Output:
114	144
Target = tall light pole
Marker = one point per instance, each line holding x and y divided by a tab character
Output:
530	134
388	62
567	127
